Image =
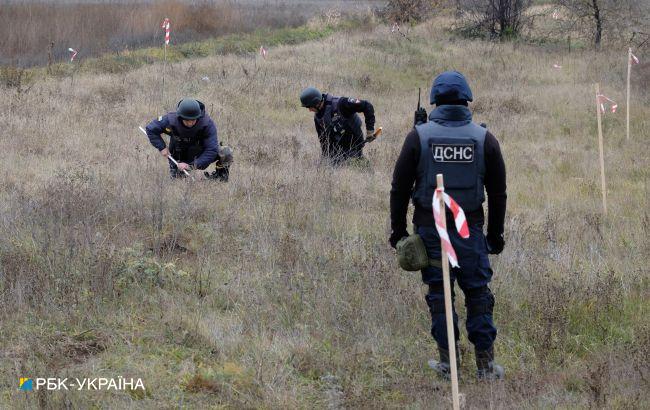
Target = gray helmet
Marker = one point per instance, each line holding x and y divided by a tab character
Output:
188	109
310	97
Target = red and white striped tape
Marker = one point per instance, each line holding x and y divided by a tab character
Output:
633	59
459	220
74	54
394	28
166	24
602	100
557	66
263	51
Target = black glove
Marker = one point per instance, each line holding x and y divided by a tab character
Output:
370	136
421	116
495	244
396	237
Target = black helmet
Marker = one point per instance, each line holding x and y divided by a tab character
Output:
310	97
449	87
188	109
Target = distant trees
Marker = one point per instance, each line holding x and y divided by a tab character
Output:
497	18
595	19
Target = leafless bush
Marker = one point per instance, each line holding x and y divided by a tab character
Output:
595	20
496	18
402	11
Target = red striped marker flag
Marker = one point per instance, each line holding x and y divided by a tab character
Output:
166	24
263	52
74	54
633	59
459	220
602	100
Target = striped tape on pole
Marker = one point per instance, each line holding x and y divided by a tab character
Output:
459	220
167	26
602	100
633	59
73	55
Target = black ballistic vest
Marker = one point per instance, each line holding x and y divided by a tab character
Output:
337	126
183	137
458	154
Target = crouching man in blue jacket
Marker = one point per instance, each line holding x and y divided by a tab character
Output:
193	140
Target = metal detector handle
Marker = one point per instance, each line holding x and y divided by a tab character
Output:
169	156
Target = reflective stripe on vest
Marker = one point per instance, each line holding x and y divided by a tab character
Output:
458	154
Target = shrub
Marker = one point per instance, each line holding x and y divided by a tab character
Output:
403	11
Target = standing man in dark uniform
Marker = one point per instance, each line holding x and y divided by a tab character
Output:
338	124
470	159
193	140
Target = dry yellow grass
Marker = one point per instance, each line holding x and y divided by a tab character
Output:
278	289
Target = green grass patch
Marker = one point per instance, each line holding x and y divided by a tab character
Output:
131	60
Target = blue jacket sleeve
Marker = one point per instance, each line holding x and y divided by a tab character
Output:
210	147
155	129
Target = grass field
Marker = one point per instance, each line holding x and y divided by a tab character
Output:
278	289
34	32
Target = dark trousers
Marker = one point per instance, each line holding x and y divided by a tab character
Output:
344	147
473	277
186	155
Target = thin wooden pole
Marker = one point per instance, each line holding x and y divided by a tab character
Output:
627	106
451	340
600	148
164	70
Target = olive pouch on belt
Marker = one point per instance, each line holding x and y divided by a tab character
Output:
412	254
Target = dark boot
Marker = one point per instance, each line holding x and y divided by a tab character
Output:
176	173
442	367
220	174
486	369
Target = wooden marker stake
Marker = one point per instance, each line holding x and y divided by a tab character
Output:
600	148
451	340
627	106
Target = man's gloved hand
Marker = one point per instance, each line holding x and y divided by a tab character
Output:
421	116
396	237
370	135
184	167
495	244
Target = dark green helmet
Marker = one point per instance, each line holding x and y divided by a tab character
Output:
188	109
310	97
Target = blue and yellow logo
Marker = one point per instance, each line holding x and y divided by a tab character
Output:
26	384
